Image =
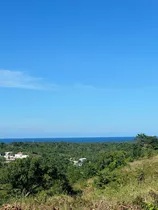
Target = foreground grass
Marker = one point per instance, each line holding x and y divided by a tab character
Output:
136	188
66	203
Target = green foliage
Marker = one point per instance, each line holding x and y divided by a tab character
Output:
145	205
31	175
2	162
140	175
48	171
107	177
147	141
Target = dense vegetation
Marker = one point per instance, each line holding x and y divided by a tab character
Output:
48	172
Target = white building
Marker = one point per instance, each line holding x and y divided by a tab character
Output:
20	155
9	156
79	162
82	160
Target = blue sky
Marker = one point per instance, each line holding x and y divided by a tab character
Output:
78	68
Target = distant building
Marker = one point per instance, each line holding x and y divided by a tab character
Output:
20	155
82	160
9	156
79	162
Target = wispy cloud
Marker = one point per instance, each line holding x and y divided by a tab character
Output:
18	79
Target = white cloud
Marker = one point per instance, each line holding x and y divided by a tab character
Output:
18	79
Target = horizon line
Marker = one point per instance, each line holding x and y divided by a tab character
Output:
66	137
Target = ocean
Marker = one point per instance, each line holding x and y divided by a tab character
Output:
72	140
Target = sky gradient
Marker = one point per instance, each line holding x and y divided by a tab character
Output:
78	68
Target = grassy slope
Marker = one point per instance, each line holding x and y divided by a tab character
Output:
130	187
126	191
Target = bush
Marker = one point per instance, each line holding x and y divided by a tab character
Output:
107	177
31	175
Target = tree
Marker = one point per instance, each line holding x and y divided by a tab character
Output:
31	175
147	141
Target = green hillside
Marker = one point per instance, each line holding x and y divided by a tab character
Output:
116	176
135	187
